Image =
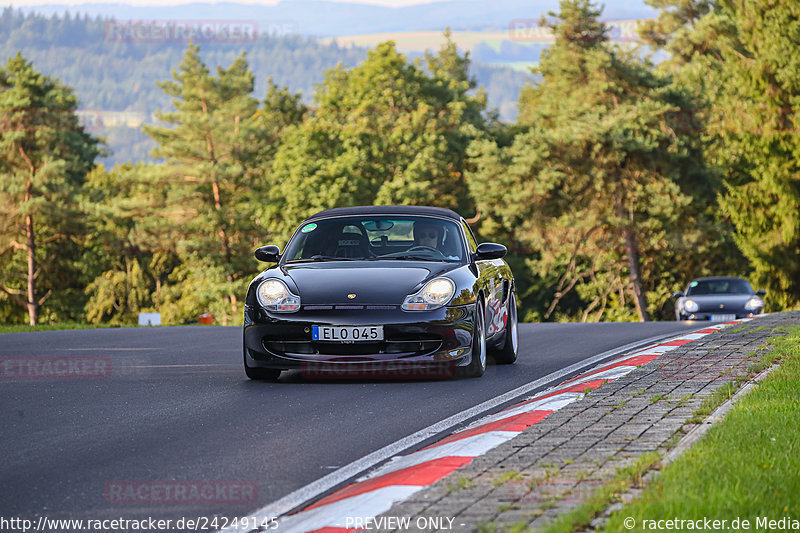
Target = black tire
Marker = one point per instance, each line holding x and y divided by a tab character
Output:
260	374
477	365
507	354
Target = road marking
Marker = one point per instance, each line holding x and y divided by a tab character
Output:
368	504
129	349
468	447
182	366
404	471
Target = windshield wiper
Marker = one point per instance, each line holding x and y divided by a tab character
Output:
413	258
323	258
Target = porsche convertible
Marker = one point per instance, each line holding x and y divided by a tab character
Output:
719	298
381	288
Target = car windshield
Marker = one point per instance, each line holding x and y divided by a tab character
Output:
376	238
719	286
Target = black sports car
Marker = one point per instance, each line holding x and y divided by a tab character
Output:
381	288
719	299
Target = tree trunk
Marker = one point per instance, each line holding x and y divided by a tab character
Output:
226	247
223	233
632	251
33	303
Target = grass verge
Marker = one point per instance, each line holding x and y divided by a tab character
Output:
747	467
20	328
626	477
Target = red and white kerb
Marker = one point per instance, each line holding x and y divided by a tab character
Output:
404	475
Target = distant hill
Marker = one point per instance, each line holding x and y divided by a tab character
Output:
113	75
330	19
113	54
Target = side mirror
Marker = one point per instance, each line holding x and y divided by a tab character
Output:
678	294
490	250
761	292
268	254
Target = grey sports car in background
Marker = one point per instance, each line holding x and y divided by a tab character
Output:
719	299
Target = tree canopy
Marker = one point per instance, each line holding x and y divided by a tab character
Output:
602	192
620	180
44	157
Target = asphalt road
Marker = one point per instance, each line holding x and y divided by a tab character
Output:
173	404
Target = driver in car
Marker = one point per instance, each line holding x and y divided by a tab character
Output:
427	234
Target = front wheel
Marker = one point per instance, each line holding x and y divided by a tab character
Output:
508	353
260	374
477	366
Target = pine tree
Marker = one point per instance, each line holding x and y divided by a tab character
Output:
44	156
745	61
681	28
131	239
596	173
384	132
216	145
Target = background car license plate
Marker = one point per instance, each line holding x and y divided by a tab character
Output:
347	333
722	318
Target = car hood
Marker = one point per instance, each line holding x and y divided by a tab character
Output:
712	302
386	283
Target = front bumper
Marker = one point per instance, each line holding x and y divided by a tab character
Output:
413	340
715	315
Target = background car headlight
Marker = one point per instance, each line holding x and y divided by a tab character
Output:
274	295
691	306
754	303
433	295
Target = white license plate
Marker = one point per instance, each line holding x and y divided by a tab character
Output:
347	333
722	318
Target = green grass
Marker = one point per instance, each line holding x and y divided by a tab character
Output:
715	399
505	478
462	483
486	527
22	328
735	330
517	527
726	392
744	327
627	477
747	466
658	398
19	328
507	507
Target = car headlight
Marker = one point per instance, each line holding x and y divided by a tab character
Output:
275	296
754	303
433	295
691	306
